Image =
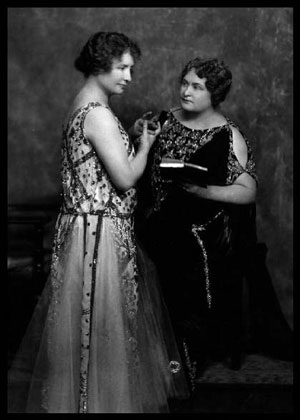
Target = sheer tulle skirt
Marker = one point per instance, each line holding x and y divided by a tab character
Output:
100	338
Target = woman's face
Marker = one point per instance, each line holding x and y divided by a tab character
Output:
119	76
194	96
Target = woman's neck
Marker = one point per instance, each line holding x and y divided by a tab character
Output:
92	92
204	119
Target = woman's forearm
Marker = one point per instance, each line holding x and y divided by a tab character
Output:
235	194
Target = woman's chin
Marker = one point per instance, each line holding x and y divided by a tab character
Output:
186	105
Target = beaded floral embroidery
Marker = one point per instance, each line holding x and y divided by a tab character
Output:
179	142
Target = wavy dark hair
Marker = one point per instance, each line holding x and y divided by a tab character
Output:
217	74
98	53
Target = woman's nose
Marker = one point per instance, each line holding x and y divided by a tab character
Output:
127	75
187	91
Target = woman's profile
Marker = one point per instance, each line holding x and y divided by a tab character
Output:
100	338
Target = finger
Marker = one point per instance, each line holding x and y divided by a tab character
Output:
158	128
187	184
152	125
183	184
145	126
147	114
139	123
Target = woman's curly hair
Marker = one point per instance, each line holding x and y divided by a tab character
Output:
217	74
98	53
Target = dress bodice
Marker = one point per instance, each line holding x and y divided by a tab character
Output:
212	148
87	187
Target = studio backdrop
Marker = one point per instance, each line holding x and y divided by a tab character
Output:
256	43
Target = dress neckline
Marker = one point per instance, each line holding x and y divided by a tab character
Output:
200	129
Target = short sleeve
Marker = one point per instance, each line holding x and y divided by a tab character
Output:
234	168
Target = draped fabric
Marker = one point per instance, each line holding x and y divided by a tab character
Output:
206	250
100	339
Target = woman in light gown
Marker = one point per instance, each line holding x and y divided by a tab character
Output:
100	339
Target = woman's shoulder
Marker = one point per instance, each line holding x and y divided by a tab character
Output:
237	134
96	115
97	108
240	144
79	110
238	141
234	126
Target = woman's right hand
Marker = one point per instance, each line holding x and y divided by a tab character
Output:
148	137
137	128
104	133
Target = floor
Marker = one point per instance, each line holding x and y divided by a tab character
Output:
262	385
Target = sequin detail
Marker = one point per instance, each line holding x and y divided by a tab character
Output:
62	231
174	142
191	366
88	192
61	239
125	243
87	187
180	142
196	230
234	168
88	294
174	366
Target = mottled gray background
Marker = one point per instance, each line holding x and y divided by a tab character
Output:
255	42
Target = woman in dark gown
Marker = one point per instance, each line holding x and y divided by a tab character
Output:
203	240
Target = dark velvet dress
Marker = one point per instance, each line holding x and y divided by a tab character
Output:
204	249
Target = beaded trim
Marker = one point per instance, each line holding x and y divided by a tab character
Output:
87	311
191	366
107	212
180	142
196	229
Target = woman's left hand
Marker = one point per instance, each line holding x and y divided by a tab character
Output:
242	191
193	189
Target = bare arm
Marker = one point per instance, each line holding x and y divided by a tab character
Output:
242	191
102	130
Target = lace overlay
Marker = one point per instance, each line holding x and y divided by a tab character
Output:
87	187
100	340
61	239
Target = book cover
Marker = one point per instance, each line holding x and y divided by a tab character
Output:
179	170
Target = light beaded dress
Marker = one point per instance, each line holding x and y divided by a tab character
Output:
100	340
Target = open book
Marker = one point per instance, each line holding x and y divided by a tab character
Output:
175	169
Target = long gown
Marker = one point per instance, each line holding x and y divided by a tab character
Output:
212	269
100	339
